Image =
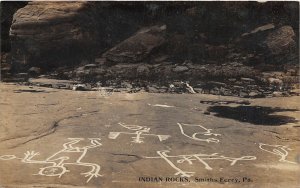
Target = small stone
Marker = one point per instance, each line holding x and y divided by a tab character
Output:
60	86
126	85
98	84
238	87
247	79
217	83
34	71
215	91
243	94
81	87
89	66
142	70
151	89
162	90
253	94
206	112
136	89
245	102
198	90
22	75
277	94
275	81
277	74
232	79
292	72
226	92
178	84
108	89
180	68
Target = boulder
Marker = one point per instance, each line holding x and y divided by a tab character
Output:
216	52
34	71
138	47
272	44
281	40
180	69
142	71
52	34
47	33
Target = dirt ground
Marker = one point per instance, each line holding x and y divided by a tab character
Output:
63	138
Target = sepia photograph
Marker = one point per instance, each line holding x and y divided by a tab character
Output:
149	94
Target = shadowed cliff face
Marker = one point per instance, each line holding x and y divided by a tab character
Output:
72	31
7	9
43	33
54	34
242	47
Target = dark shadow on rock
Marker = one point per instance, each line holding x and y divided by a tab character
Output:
257	115
30	91
220	102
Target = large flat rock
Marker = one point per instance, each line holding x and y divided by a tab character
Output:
63	138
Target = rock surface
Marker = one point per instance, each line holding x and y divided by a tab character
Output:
7	10
80	25
73	31
160	44
97	127
273	45
138	47
61	29
40	121
281	41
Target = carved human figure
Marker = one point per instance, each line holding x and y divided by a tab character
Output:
188	159
139	132
56	163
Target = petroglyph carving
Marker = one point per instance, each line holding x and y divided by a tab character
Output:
8	157
207	132
161	105
279	150
140	131
202	158
57	162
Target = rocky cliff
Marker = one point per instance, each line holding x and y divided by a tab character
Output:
53	34
172	39
48	33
